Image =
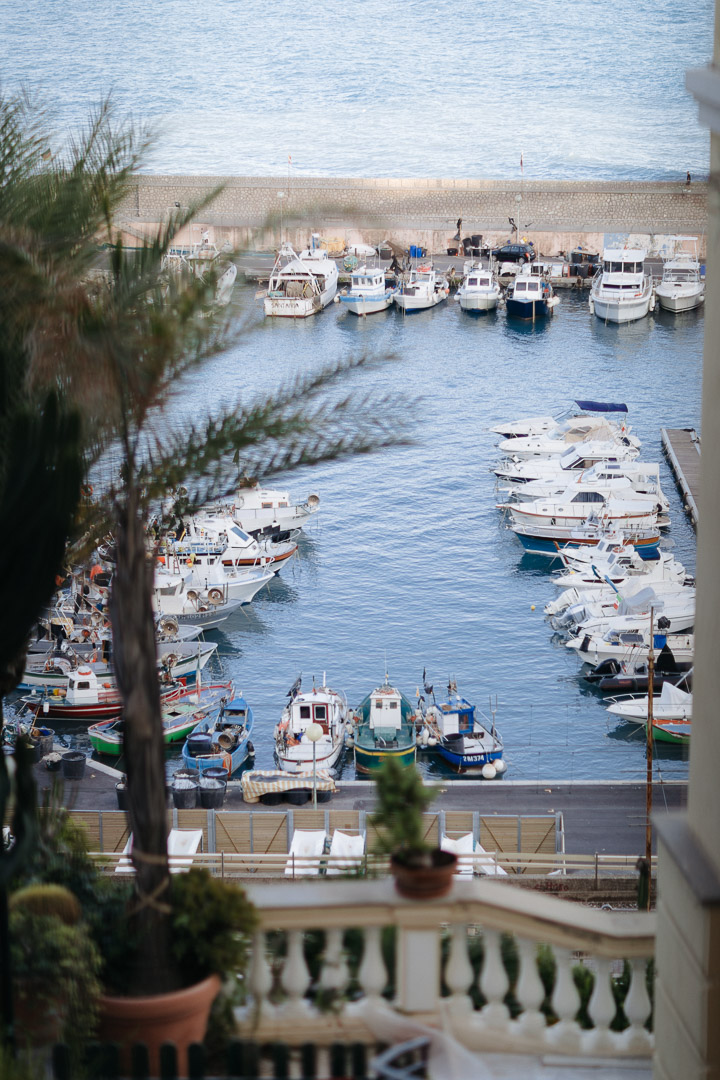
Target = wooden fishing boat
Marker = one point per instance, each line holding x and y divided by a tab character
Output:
179	718
86	698
385	728
458	735
222	739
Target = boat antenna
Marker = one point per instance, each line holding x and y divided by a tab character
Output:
493	710
387	677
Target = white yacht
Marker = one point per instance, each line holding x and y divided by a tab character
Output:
555	443
622	290
480	290
681	288
423	289
576	458
258	509
368	292
300	285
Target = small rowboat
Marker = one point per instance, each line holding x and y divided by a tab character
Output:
179	717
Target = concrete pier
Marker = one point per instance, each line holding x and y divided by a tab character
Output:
250	213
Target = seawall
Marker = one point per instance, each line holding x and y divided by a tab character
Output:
250	211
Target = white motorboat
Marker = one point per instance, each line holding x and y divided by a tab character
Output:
629	646
300	285
257	509
671	703
529	297
620	569
539	425
177	595
609	479
423	289
574	511
480	290
181	658
675	604
368	292
327	708
681	288
622	290
207	263
572	433
214	537
599	586
572	461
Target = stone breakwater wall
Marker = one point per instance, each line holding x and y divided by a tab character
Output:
250	211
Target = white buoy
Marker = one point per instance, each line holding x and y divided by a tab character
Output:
418	740
489	771
425	736
46	707
500	765
432	741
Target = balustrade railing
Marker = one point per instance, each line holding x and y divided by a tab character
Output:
499	969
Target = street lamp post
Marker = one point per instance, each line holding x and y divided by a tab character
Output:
314	732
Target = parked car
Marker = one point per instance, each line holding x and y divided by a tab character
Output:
514	253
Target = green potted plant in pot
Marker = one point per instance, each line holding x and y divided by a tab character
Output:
420	871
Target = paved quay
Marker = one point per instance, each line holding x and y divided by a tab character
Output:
606	817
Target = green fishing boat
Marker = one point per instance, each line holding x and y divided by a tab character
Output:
385	728
179	718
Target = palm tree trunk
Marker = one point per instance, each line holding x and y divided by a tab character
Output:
134	653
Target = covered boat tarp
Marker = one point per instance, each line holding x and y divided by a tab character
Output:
601	406
259	782
641	601
672	695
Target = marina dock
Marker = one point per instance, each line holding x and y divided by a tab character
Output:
682	449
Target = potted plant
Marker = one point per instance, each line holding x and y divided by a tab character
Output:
421	872
210	922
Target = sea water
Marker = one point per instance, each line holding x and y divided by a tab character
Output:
408	565
580	90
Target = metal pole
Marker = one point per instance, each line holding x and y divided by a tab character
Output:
314	776
649	751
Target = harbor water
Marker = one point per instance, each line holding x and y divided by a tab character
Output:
409	88
408	565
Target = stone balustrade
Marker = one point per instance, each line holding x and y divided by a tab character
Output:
436	973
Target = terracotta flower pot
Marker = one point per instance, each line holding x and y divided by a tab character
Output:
425	882
180	1017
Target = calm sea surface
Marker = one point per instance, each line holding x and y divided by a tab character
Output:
380	87
409	559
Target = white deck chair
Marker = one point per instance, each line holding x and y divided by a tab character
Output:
488	865
305	851
345	850
463	846
182	845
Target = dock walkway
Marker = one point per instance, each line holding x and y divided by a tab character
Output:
682	449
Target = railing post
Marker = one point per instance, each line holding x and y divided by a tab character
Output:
418	970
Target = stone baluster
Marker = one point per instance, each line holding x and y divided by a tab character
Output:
295	977
260	976
334	974
494	982
637	1006
459	974
565	1035
601	1010
529	990
372	975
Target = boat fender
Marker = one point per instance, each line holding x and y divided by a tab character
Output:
585	643
489	771
250	747
500	765
552	521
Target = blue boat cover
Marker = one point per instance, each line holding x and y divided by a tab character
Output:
601	406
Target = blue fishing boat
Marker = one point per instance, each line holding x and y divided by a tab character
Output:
458	735
221	740
530	298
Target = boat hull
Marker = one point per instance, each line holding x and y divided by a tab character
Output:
674	301
301	307
478	301
621	311
527	309
647	548
367	305
468	762
409	303
297	764
368	759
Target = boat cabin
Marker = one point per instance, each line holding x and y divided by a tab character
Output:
479	280
527	289
233	713
623	269
386	709
364	280
82	687
457	719
309	709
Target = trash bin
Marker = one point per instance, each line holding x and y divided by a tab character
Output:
212	793
185	794
73	765
43	737
121	792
